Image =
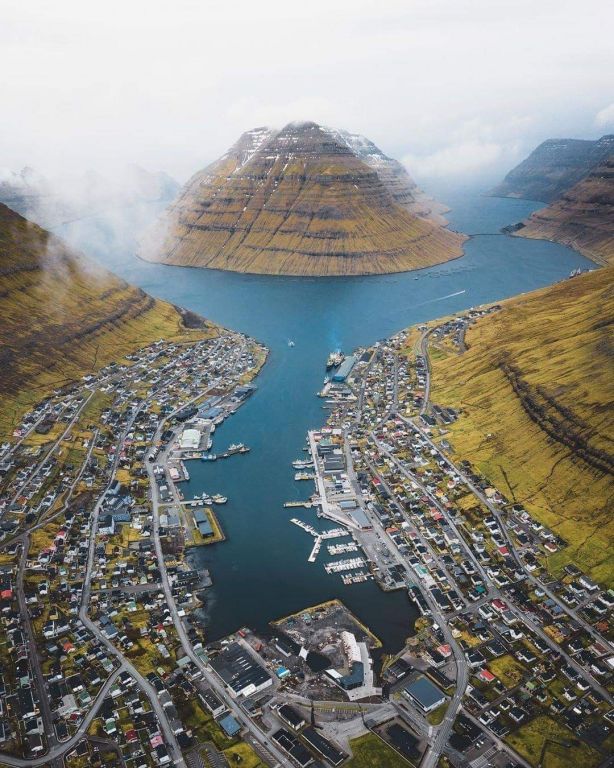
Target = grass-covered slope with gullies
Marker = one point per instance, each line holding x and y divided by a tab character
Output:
583	217
64	316
535	389
298	201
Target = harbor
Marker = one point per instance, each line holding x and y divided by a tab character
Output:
320	316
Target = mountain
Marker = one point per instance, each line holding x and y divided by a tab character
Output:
554	167
534	391
50	203
583	217
402	187
304	200
63	316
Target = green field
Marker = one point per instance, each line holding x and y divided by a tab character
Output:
562	748
369	751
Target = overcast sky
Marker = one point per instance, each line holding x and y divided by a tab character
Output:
455	88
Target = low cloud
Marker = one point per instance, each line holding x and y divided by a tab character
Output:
457	159
605	117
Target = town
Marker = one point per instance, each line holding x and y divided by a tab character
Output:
107	663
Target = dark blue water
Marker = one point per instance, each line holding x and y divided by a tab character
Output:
261	571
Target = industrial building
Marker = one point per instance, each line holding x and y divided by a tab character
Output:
202	522
190	439
345	369
425	694
323	746
240	671
356	675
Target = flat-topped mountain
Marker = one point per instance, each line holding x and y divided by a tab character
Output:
555	166
63	316
304	200
583	217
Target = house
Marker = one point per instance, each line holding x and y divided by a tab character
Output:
106	525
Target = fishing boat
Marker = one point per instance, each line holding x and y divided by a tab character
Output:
334	359
302	464
236	448
304	476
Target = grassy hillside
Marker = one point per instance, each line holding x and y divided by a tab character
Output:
536	388
583	217
64	316
297	202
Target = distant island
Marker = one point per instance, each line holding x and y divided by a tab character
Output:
304	200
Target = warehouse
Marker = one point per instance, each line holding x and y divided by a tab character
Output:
238	669
424	694
190	439
202	522
345	368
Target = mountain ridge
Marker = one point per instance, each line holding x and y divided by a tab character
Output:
553	167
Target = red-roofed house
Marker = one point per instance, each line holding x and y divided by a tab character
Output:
485	676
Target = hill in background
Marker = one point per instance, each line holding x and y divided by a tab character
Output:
306	200
554	167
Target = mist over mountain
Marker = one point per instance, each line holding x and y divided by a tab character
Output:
51	202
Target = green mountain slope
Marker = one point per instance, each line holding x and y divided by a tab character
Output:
536	392
299	201
64	316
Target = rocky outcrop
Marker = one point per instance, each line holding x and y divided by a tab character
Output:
554	167
583	217
305	200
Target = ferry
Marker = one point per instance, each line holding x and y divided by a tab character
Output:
335	359
219	499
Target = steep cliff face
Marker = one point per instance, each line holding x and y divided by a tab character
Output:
554	167
583	217
394	175
299	201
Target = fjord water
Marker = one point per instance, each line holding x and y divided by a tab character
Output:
261	571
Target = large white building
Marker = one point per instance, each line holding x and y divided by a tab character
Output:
190	439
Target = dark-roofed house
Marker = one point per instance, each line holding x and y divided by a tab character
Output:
291	716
